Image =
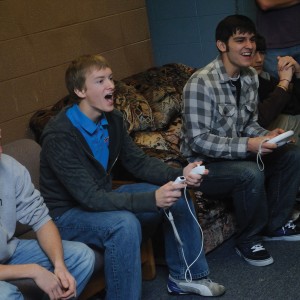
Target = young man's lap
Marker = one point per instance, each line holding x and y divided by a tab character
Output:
79	259
9	291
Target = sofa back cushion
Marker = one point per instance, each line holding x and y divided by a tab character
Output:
26	152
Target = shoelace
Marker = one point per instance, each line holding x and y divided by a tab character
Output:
290	224
258	247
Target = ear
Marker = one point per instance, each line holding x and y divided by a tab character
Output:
221	46
80	94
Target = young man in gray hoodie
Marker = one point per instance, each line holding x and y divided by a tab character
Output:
55	266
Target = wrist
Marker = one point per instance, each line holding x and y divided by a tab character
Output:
282	87
59	265
284	79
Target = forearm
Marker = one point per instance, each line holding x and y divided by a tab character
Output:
275	4
12	272
215	146
272	106
50	241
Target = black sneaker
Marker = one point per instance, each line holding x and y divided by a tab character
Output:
288	232
254	254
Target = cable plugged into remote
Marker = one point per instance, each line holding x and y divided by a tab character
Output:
179	179
198	170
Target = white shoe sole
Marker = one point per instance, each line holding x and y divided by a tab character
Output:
256	263
288	238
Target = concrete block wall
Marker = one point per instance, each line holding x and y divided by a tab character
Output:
38	39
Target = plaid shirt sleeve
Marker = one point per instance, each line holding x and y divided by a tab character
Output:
212	127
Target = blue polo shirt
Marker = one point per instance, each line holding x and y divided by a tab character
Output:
96	134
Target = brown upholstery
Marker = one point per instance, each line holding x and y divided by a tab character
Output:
27	152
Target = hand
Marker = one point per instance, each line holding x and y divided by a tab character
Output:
168	194
278	131
49	283
193	180
257	144
286	63
67	281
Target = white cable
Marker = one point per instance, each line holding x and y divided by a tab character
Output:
187	275
171	219
259	160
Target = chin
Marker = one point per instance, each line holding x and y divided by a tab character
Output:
109	109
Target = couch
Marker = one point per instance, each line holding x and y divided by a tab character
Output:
27	152
151	102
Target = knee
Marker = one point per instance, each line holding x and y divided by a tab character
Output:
9	291
86	255
79	253
251	176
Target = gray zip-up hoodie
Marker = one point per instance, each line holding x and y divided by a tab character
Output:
19	201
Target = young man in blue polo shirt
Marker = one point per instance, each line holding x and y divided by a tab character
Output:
80	147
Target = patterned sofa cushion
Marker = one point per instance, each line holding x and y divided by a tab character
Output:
163	139
135	108
162	87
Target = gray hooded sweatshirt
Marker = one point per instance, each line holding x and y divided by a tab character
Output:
19	201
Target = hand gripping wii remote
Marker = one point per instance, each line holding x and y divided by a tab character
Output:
281	139
198	170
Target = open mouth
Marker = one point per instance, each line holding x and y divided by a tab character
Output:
109	97
247	54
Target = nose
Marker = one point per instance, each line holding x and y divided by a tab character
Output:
110	84
249	44
258	56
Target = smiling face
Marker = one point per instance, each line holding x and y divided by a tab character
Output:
237	52
97	94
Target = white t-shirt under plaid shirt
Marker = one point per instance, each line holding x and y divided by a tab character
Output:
213	125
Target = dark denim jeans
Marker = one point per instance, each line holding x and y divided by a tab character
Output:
120	234
270	63
263	201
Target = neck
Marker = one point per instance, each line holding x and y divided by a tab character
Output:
90	111
231	70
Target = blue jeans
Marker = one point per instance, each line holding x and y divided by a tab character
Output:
120	234
263	201
270	63
79	260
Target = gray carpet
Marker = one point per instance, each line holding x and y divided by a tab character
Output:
242	281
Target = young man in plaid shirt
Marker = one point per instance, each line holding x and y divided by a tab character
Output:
221	129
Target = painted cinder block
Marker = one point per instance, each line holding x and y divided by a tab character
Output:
135	26
38	39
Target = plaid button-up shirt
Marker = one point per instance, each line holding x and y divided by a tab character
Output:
214	127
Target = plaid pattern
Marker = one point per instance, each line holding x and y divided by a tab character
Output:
214	127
